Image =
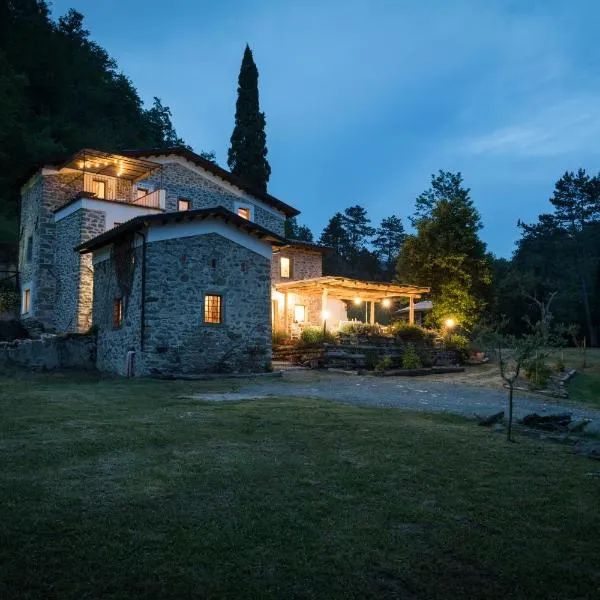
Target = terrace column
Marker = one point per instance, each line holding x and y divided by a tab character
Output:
285	313
323	303
372	315
411	310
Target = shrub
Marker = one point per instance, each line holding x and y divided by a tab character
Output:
279	337
358	328
315	335
410	359
559	365
537	372
403	332
9	297
383	364
458	343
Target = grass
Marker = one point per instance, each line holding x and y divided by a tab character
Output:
585	386
113	488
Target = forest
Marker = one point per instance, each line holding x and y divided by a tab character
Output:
73	95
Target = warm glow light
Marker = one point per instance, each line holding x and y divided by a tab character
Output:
81	164
325	315
450	323
386	302
357	301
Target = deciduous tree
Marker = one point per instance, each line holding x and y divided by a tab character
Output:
446	252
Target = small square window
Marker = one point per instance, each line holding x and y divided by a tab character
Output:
29	248
244	212
26	301
213	308
117	316
285	267
183	204
299	313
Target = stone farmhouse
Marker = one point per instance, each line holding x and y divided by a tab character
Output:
178	265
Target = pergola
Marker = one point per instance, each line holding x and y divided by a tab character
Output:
343	288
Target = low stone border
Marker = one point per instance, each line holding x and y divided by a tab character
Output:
422	371
399	372
213	376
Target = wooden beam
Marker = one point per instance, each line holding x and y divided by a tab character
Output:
372	320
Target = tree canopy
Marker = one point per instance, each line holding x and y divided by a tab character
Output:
446	252
60	92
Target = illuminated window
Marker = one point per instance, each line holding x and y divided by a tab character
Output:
141	192
244	212
285	266
26	303
117	312
299	313
213	309
99	188
183	204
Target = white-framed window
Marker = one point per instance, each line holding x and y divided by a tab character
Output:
244	210
26	301
300	313
184	204
99	188
285	267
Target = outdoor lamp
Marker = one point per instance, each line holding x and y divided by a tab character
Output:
357	301
386	302
450	323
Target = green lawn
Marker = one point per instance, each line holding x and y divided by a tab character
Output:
126	489
585	386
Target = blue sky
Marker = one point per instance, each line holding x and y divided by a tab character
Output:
365	100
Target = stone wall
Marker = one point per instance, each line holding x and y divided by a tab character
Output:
114	343
31	201
180	182
304	264
179	273
39	198
51	352
74	273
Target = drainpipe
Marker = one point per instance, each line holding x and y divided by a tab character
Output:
143	292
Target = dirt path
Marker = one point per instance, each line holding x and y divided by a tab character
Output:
449	394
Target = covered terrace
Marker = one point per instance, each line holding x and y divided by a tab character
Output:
324	299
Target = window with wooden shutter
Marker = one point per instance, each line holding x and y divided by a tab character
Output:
213	308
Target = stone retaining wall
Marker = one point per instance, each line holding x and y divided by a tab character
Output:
51	352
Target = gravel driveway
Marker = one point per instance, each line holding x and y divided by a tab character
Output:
418	394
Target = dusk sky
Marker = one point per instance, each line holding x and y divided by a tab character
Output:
365	100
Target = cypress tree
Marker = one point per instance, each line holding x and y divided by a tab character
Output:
247	156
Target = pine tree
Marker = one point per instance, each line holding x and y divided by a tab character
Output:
335	237
293	231
247	156
388	241
358	230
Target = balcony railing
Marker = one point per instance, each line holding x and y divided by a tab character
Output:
155	199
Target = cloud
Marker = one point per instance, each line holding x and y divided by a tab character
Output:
570	126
